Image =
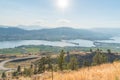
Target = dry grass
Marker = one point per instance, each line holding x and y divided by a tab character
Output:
101	72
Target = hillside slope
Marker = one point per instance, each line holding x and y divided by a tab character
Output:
110	71
102	72
13	33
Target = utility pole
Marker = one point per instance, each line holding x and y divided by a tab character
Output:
52	72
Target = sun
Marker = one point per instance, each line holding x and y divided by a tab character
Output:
62	4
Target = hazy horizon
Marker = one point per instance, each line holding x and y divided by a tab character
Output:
83	14
38	27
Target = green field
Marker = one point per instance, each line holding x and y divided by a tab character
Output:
41	48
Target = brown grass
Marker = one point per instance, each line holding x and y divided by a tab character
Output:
101	72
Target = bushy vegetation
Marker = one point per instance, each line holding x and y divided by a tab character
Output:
99	58
63	62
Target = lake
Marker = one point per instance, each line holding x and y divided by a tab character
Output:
113	40
63	43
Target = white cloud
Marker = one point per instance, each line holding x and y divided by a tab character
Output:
40	22
63	21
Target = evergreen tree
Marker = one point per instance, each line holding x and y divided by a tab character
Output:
91	50
35	69
99	58
19	69
86	63
28	72
73	65
41	65
3	75
109	51
61	60
31	66
14	74
48	63
68	57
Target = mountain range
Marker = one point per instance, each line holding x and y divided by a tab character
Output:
62	33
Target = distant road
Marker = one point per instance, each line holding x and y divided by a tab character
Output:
6	61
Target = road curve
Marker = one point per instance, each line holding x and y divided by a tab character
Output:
6	61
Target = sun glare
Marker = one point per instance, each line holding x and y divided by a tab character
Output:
62	4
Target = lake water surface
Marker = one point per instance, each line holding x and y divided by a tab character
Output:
113	40
63	43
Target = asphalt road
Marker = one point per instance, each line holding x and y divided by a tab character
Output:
14	59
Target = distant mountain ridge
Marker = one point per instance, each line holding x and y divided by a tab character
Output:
110	31
12	33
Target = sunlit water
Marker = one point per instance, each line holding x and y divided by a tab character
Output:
63	43
113	40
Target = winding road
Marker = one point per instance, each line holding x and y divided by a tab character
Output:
14	59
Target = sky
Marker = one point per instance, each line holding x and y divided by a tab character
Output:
64	13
